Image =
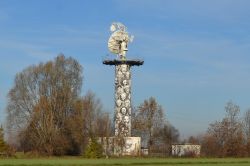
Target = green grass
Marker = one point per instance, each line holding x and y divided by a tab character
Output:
128	161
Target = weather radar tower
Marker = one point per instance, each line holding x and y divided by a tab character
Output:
118	45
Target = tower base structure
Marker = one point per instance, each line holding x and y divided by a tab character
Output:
126	146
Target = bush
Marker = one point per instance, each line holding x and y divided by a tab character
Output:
94	149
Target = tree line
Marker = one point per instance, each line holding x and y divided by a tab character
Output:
228	137
47	115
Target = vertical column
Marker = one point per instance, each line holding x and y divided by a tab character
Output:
122	100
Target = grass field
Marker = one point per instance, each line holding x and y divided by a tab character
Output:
131	162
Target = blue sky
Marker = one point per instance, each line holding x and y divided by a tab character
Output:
196	52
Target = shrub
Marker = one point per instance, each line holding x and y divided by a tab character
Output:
94	149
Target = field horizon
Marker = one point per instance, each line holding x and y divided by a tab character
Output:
73	161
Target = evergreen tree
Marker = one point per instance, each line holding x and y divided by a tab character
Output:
94	149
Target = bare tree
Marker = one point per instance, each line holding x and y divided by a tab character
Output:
210	146
167	136
103	125
41	102
149	118
246	124
235	137
92	110
227	135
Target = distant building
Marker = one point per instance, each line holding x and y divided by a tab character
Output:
186	150
144	151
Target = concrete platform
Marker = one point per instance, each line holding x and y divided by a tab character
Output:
115	146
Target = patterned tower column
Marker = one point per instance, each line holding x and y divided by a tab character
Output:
122	100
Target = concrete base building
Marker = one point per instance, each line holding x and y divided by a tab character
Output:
186	150
127	146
